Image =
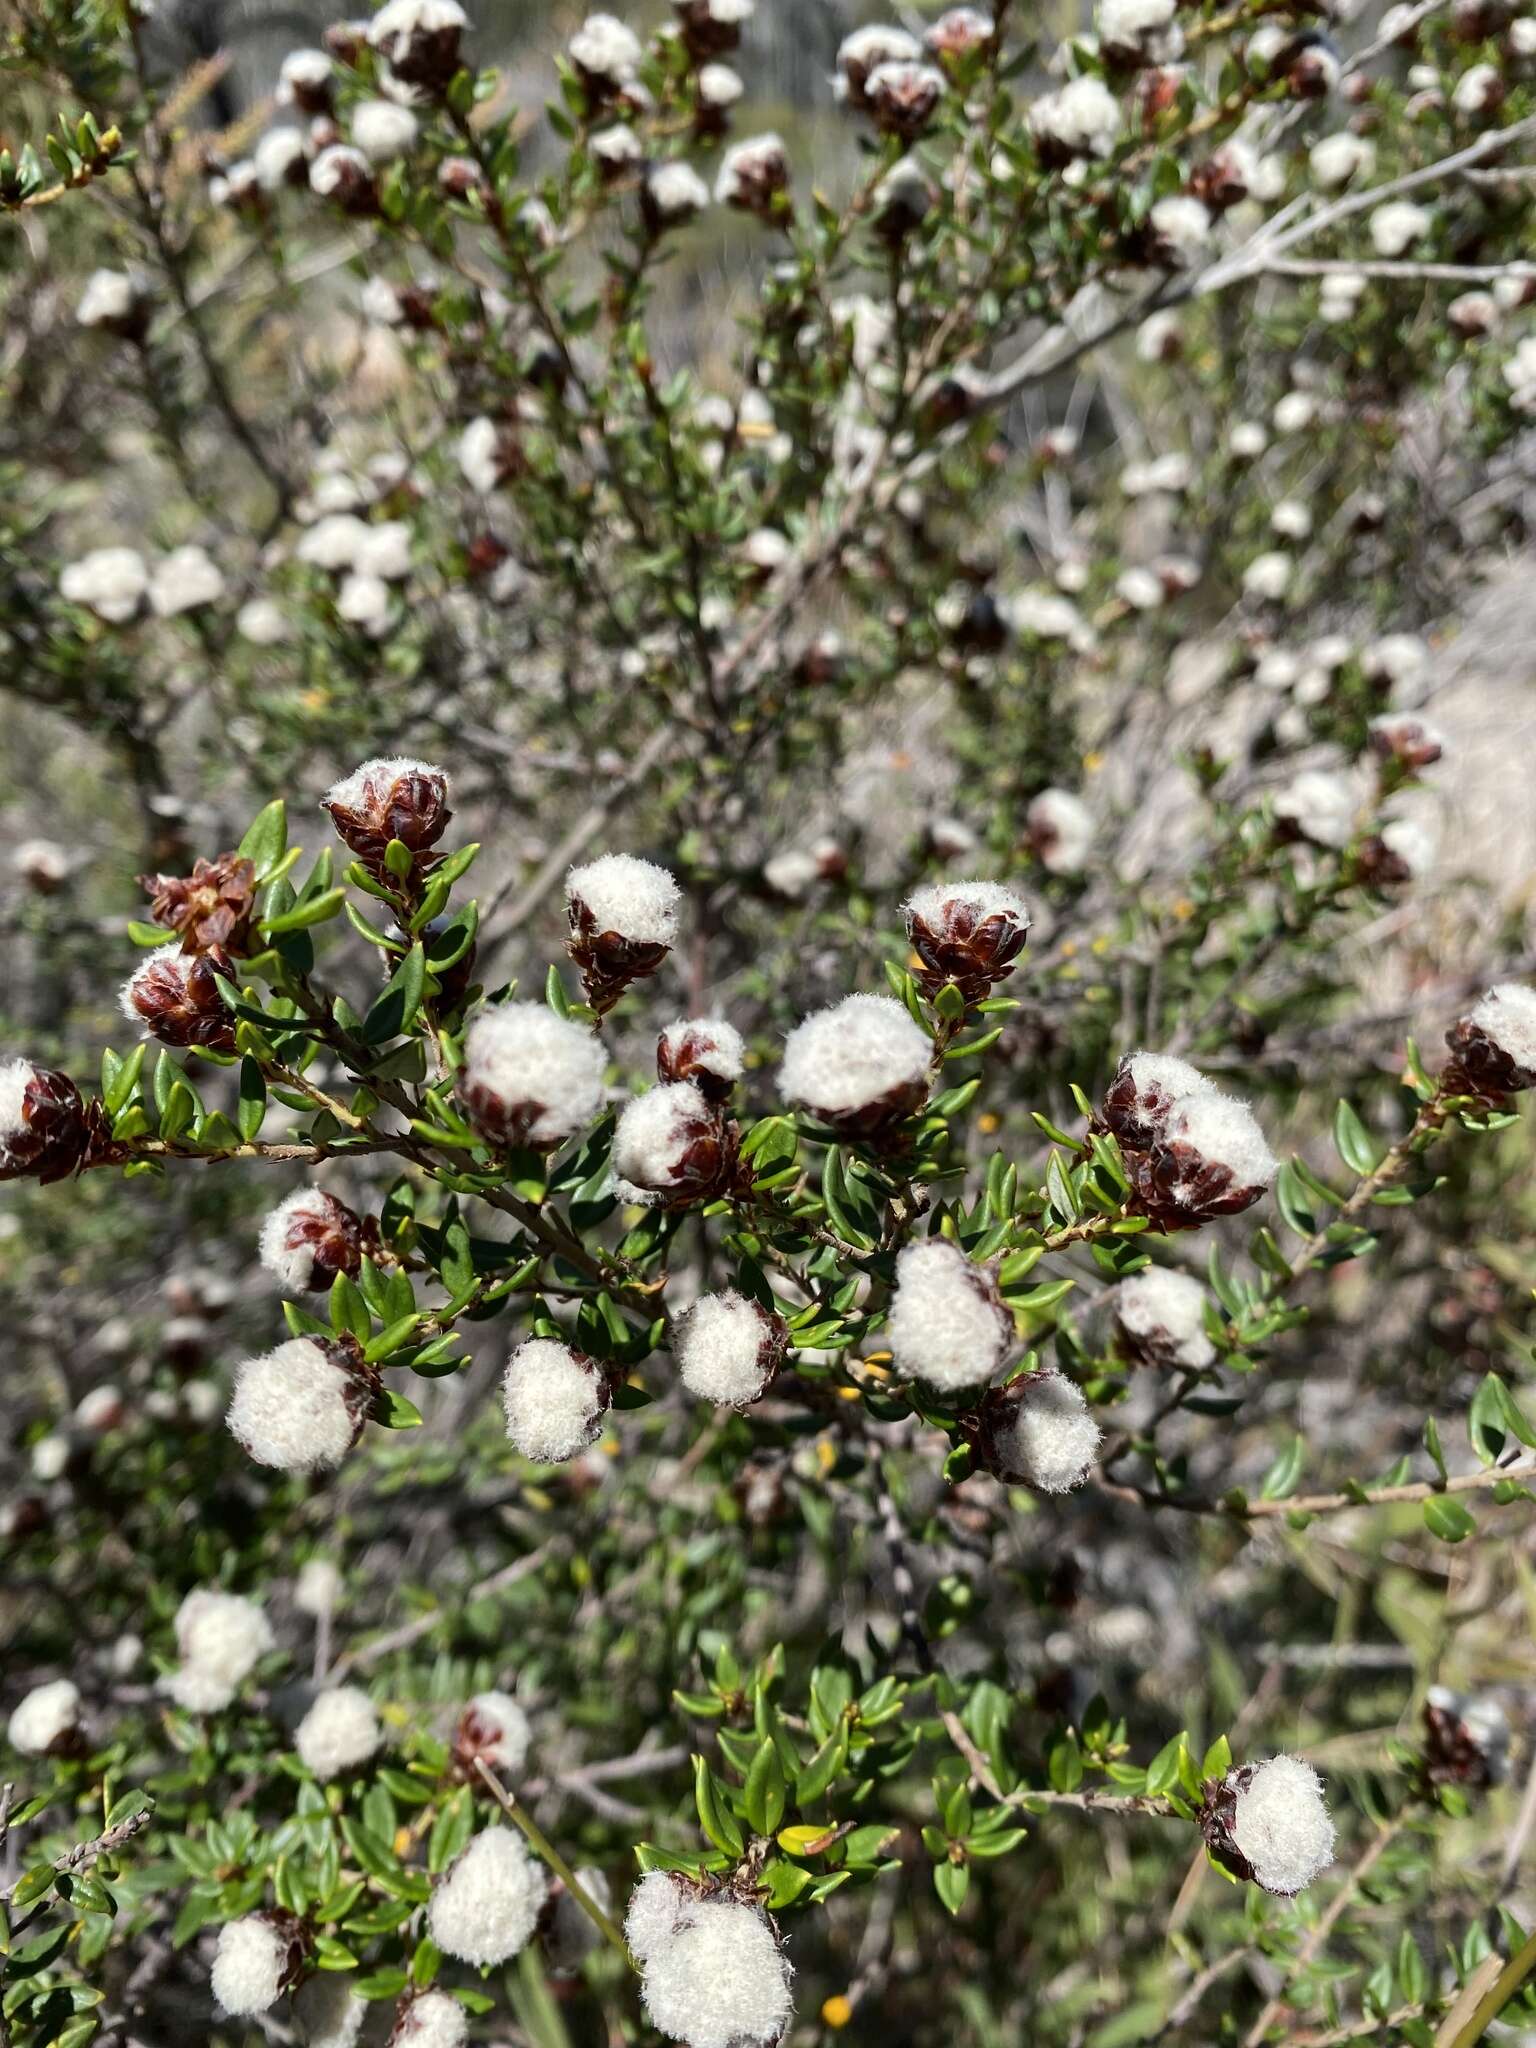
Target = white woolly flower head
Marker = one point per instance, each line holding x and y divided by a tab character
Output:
308	1239
634	899
705	1050
298	1408
1268	576
674	192
712	1972
1280	1823
948	1324
110	298
1318	805
668	1146
340	1731
184	579
1182	225
1504	1018
554	1398
253	1963
220	1637
15	1080
488	1903
111	582
970	933
494	1727
751	171
1219	1131
860	1062
1143	31
1060	830
383	129
1082	118
431	2019
1396	226
728	1348
1338	158
1161	1314
718	86
328	2012
1047	1436
339	169
47	1720
317	1589
605	49
530	1077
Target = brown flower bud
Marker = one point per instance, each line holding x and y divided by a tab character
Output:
1493	1048
389	799
1466	1741
902	98
704	1050
622	914
673	1148
176	997
310	1238
710	28
968	933
419	40
210	907
46	1131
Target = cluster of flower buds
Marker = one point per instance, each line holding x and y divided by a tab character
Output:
1191	1152
259	1957
860	1066
1268	1824
712	1972
384	800
302	1407
46	1130
1493	1048
730	1348
623	919
1466	1741
968	933
310	1238
674	1146
1037	1430
419	40
176	997
210	909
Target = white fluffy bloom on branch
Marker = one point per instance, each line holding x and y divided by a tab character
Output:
1218	1130
327	2012
1320	806
431	2020
250	1965
184	579
1060	830
110	298
727	1348
293	1408
712	1972
1506	1015
488	1903
554	1400
1050	1440
1396	226
46	1719
1281	1824
529	1076
675	192
317	1589
948	1324
383	129
634	898
1338	158
111	582
665	1143
494	1726
605	49
1083	118
855	1057
220	1637
707	1047
340	1731
1162	1313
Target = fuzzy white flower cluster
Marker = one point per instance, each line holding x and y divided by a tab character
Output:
635	899
1139	31
1082	118
291	1408
947	1323
726	1349
1162	1312
748	166
15	1080
250	1965
1319	805
674	192
111	582
488	1903
848	1057
554	1401
340	1731
1281	1825
45	1719
529	1075
1396	226
712	1972
220	1639
494	1726
110	298
287	1245
652	1140
604	48
1507	1016
1060	831
184	579
383	129
1050	1439
431	2020
317	1589
1221	1131
701	1045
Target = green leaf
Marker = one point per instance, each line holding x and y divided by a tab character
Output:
394	1010
252	1108
1280	1481
393	1411
1163	1771
1353	1141
266	838
1445	1517
951	1881
316	910
763	1793
715	1815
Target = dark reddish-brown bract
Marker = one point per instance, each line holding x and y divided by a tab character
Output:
58	1130
411	806
967	947
179	999
1180	1189
685	1058
1480	1067
330	1232
608	961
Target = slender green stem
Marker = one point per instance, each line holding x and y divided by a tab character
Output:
542	1846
